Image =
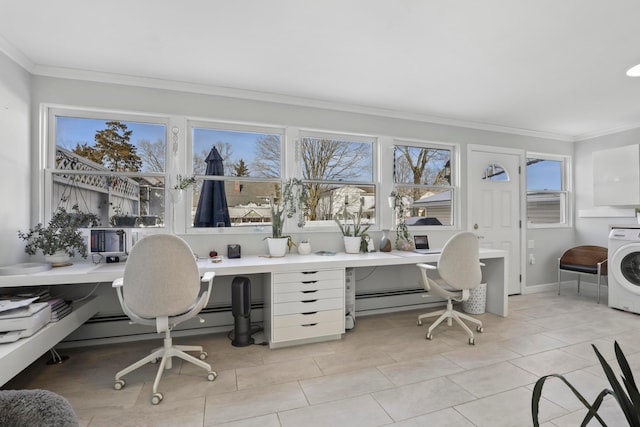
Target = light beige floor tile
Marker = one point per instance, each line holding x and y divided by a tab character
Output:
531	344
446	417
610	412
477	356
340	386
417	370
551	362
270	420
252	403
509	409
412	400
493	379
277	373
355	411
351	361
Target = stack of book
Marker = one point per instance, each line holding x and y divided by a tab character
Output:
59	308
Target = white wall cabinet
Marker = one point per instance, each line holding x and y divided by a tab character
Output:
616	176
305	306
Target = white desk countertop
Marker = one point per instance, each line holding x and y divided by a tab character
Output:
86	272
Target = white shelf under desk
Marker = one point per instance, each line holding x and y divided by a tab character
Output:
16	356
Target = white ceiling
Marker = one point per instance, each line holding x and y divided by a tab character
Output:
550	66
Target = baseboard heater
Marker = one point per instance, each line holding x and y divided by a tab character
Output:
389	300
98	318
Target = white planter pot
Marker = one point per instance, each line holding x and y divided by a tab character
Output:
352	244
58	259
278	247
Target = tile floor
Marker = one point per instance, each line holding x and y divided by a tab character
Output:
383	372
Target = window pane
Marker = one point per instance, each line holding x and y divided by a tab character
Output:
119	201
418	165
330	159
546	199
250	154
543	174
430	206
247	201
116	145
495	172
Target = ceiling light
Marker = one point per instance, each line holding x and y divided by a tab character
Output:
634	71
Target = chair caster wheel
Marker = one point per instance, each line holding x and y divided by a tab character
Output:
419	323
429	337
156	360
156	398
211	375
203	355
480	329
472	341
119	384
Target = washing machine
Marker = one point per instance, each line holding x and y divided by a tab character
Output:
624	268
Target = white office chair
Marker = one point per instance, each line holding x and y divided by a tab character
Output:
161	287
459	270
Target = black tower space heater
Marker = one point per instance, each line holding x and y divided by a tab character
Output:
241	310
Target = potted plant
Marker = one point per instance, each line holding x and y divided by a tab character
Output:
403	238
626	394
355	239
61	237
291	200
119	219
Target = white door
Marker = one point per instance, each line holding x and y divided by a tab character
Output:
494	204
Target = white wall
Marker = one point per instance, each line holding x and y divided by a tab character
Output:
141	99
15	159
594	230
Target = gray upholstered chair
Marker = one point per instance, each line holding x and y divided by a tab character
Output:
459	271
19	408
161	287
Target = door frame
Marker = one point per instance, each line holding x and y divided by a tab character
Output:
521	200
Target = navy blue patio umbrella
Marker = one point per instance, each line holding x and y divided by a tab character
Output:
213	210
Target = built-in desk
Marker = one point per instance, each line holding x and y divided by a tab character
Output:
22	353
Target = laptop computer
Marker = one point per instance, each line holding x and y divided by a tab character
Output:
422	245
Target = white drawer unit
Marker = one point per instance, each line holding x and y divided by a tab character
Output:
305	306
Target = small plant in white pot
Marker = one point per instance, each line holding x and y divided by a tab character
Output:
353	232
61	237
291	200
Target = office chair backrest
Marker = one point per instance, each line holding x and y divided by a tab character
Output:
161	277
459	263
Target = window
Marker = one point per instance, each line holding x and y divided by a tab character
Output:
339	170
546	190
111	165
422	175
238	170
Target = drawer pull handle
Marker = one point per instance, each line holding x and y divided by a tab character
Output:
309	300
309	313
309	292
308	325
309	282
309	272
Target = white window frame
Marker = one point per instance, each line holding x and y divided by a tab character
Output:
183	214
296	170
47	149
566	206
454	183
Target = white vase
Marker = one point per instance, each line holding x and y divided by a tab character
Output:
304	248
58	259
278	246
352	244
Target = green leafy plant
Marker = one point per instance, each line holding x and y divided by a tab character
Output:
403	237
184	182
626	394
61	233
291	200
354	220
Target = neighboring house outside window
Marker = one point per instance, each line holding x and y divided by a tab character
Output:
547	190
